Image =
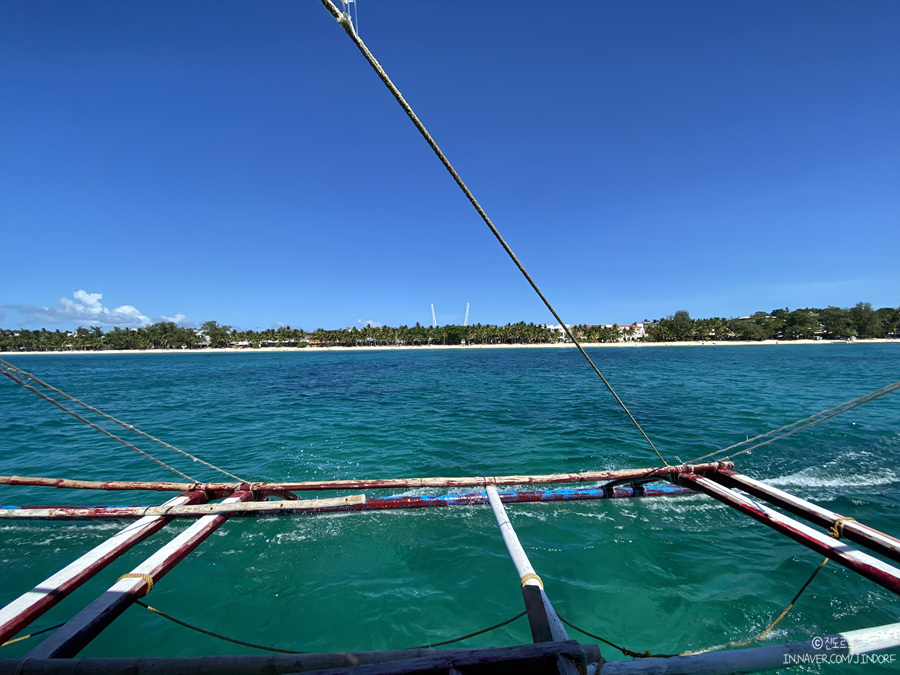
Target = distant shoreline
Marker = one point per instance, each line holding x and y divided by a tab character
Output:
381	348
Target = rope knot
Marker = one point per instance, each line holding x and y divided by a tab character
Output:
345	21
135	575
837	530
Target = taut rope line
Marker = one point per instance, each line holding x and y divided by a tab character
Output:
124	425
812	420
94	426
345	22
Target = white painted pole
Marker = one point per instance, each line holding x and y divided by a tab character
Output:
84	626
871	568
843	649
29	606
861	534
190	511
527	575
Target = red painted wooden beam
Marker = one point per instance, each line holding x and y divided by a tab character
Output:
29	606
87	624
871	568
861	534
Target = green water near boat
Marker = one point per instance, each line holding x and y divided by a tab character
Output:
667	575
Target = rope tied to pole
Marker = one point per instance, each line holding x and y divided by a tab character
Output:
837	530
216	635
529	577
730	645
627	652
136	575
254	645
772	625
478	632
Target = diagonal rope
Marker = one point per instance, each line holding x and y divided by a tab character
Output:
761	636
730	645
31	635
812	420
627	652
347	25
95	426
19	371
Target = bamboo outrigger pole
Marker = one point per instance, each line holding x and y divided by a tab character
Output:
865	565
225	508
373	484
351	503
545	624
847	528
87	624
29	606
514	659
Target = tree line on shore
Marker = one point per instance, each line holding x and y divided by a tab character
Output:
831	323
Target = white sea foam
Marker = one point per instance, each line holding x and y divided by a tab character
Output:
816	477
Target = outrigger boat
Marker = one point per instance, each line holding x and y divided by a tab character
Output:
210	505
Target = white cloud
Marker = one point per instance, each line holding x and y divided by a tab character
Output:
84	309
373	324
179	320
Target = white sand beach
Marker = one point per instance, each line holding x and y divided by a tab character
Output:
556	345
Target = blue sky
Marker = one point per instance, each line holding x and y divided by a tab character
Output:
239	161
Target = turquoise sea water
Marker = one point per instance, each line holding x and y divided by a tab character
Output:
667	575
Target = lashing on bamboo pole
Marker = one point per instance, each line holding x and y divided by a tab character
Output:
76	633
863	564
26	608
545	624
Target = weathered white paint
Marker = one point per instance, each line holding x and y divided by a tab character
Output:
195	510
72	636
520	560
872	639
819	513
25	609
841	550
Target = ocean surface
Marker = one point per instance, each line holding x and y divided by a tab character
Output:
664	574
